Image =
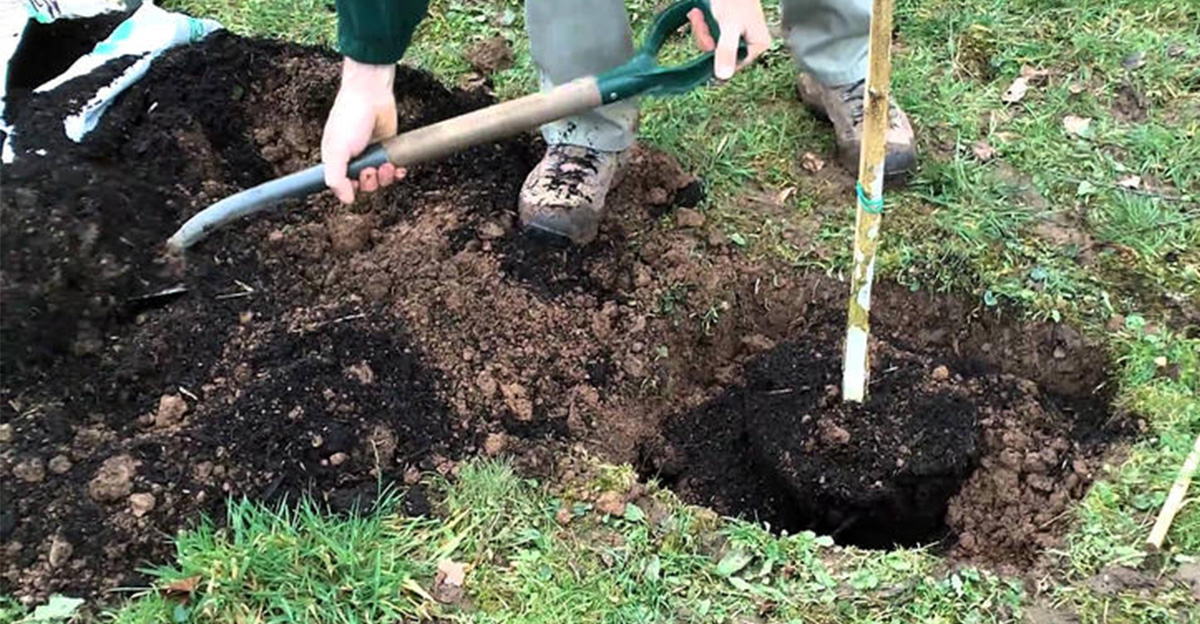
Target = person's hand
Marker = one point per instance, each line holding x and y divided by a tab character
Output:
738	19
364	111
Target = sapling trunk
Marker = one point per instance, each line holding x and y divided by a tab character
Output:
869	202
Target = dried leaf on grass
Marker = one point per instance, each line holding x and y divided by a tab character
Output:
451	573
1030	77
448	583
1078	126
1130	182
182	587
1035	76
983	151
811	162
1016	91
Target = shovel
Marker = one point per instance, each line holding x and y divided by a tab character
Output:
642	75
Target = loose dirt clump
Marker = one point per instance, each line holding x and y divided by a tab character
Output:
490	55
328	349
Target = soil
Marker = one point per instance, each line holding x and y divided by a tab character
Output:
330	349
491	55
47	50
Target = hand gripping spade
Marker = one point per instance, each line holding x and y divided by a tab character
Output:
642	75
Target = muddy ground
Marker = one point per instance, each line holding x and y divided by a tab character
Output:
327	349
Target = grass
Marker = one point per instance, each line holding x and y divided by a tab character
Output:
1044	228
658	562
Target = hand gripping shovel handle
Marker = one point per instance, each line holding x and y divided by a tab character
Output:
410	148
642	75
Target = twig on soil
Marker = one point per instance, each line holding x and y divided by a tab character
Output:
1174	500
349	317
882	374
170	291
188	393
245	292
341	319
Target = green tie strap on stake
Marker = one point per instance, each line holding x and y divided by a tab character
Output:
869	207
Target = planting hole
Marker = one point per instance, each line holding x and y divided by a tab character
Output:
947	449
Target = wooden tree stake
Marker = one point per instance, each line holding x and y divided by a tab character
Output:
1174	499
869	202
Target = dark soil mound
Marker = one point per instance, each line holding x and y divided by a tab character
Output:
224	386
334	350
47	50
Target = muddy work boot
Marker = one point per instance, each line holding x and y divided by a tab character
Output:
843	105
563	197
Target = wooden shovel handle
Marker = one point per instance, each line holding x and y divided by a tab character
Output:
492	123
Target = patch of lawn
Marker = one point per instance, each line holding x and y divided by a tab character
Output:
297	562
657	561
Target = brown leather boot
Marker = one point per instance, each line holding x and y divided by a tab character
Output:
564	194
843	105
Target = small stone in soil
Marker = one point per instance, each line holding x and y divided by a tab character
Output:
337	459
517	400
412	476
202	471
611	503
446	467
171	408
491	230
60	551
31	470
141	503
6	433
941	373
688	218
564	516
59	464
114	479
361	372
757	343
494	444
833	434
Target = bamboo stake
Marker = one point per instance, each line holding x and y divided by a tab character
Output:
869	201
1174	499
